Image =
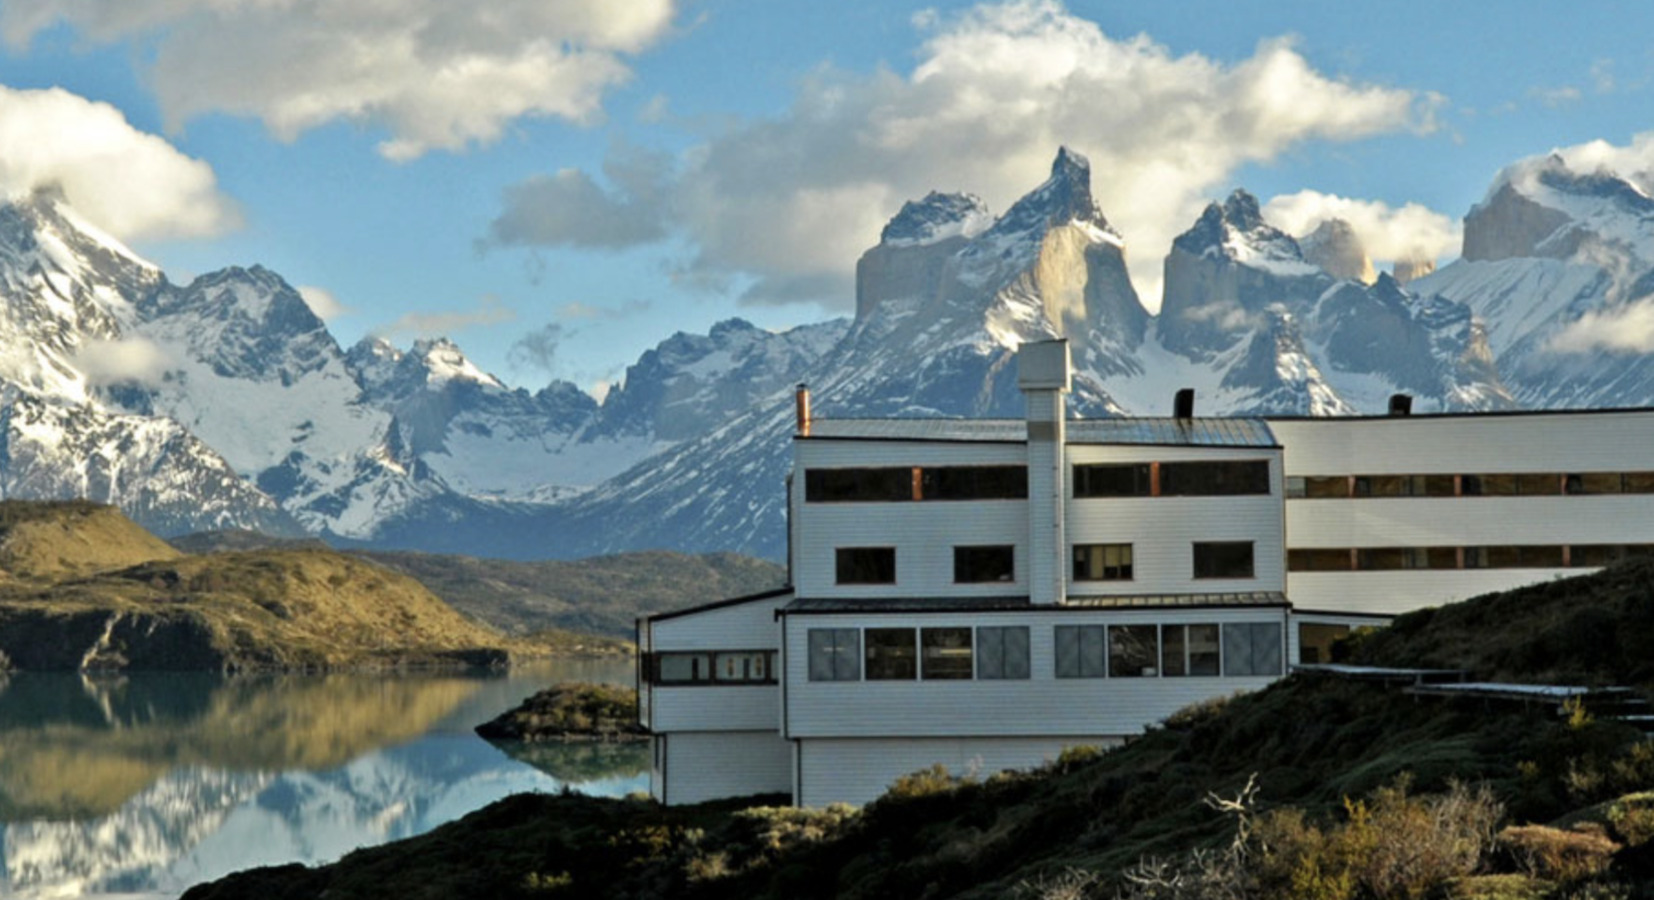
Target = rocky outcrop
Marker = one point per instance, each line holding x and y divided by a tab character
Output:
1337	249
1407	270
1508	225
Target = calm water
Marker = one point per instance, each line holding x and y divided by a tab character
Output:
142	785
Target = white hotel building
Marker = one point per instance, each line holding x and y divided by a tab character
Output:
984	593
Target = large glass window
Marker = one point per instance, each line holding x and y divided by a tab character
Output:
858	485
1102	562
1080	651
1211	479
1315	640
974	483
742	666
682	668
1133	651
1223	559
865	565
1112	480
1252	649
835	654
1002	652
1317	560
972	565
945	653
1188	650
892	654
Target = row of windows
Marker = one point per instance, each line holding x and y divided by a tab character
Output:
1236	649
1506	556
1172	479
997	562
711	667
908	483
1152	479
1520	484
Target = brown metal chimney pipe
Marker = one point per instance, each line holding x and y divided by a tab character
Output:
802	399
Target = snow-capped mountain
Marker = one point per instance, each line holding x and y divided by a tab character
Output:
1559	264
226	402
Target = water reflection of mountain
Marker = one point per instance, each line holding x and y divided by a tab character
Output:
149	794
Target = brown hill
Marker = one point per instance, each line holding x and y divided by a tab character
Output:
90	590
52	539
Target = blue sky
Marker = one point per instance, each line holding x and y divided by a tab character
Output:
559	185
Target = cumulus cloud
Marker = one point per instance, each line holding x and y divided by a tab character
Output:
1633	162
788	203
578	310
322	302
131	360
488	311
435	74
569	208
1412	232
127	182
1624	329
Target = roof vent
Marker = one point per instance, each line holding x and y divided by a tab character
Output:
1183	406
1401	404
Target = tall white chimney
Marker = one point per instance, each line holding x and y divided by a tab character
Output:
1044	374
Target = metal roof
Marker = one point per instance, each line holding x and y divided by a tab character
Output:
1022	604
1166	431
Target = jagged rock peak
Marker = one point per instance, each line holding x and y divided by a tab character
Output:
1236	230
1406	270
441	361
1336	248
1064	198
935	218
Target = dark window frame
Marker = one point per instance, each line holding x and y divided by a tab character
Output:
1209	557
869	570
1123	571
970	561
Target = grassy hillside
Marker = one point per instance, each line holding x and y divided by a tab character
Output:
603	595
1352	796
86	588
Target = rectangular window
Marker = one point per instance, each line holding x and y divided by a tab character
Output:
1102	562
1112	480
1539	557
1315	641
1002	652
1316	560
1133	651
974	483
835	654
1252	649
1639	482
865	565
892	654
1188	650
743	666
1383	486
1326	486
945	653
1223	559
682	668
1539	484
858	485
1214	479
973	565
1489	485
1595	483
1079	651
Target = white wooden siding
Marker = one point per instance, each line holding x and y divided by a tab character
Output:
1042	705
742	626
858	771
1396	592
715	707
1403	445
708	766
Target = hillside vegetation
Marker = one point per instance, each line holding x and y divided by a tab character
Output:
85	588
1317	787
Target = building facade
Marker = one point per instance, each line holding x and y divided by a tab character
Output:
985	593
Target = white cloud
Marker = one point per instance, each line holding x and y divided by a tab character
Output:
1633	162
1556	97
488	311
127	361
322	302
570	208
788	203
577	310
1624	329
1413	232
132	184
434	73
